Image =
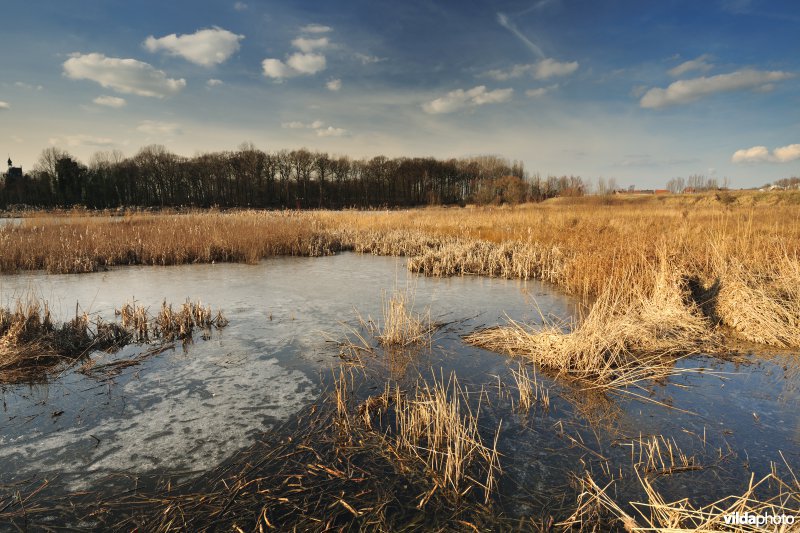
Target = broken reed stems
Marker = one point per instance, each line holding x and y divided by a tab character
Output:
660	515
435	428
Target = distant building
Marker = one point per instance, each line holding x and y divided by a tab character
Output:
13	172
662	191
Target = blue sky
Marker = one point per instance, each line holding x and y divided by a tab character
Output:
641	91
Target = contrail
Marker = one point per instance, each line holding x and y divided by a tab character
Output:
510	26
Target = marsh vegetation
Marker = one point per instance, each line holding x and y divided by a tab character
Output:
533	416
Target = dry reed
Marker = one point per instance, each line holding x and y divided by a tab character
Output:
585	246
434	427
771	496
31	344
625	338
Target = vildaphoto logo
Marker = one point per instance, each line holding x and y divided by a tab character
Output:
752	519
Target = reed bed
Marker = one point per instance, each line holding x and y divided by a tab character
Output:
625	338
738	249
321	471
769	496
32	344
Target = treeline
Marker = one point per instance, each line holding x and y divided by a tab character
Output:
249	177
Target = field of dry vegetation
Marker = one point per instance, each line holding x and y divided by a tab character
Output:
730	258
661	277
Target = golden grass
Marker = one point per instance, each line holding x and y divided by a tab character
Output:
530	390
402	325
434	428
658	515
741	251
31	344
626	337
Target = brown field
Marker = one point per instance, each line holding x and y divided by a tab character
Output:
661	277
733	256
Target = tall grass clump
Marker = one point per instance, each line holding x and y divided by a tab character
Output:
32	344
435	428
402	324
630	334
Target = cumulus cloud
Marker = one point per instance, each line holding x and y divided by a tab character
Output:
206	48
81	140
307	45
761	154
685	91
698	64
319	127
156	128
297	64
306	63
4	106
315	28
334	85
788	153
127	76
213	82
110	101
461	99
240	6
546	68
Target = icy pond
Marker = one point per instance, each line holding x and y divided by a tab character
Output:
189	409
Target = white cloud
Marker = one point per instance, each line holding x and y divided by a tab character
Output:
315	28
74	141
756	154
275	68
156	128
4	106
699	64
240	6
127	76
546	68
334	85
761	154
367	59
305	44
206	48
213	82
110	101
318	127
788	153
306	63
330	131
685	91
297	64
460	99
540	91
